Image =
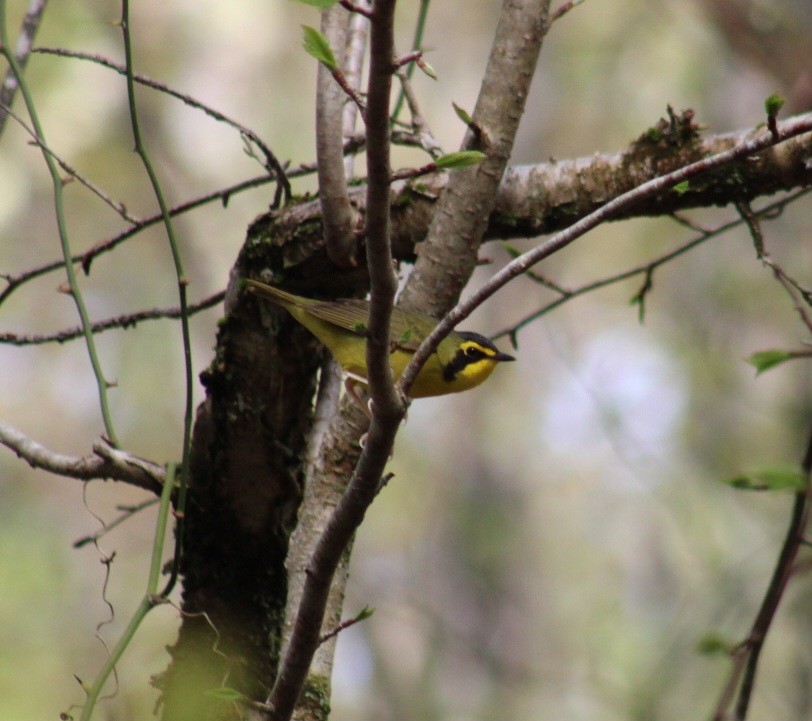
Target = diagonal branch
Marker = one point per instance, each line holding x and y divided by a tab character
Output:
123	321
746	655
449	254
105	463
389	411
272	164
22	51
613	209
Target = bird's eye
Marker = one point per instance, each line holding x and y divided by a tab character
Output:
471	352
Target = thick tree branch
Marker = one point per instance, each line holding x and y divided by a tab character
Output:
105	463
326	478
338	217
388	411
448	256
547	197
788	130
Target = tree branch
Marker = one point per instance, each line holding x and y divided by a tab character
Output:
123	321
448	255
747	653
22	51
105	463
543	198
615	208
388	410
647	268
271	163
338	217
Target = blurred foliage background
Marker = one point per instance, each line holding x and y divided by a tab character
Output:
555	544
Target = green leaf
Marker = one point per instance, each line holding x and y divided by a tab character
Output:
773	104
713	643
766	359
426	68
462	115
406	336
462	159
770	479
511	250
225	694
681	188
316	45
364	614
323	4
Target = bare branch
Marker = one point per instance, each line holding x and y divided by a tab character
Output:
123	321
754	642
617	207
86	258
118	207
105	463
126	514
388	410
271	163
563	9
790	285
420	127
648	268
338	216
356	7
461	217
22	51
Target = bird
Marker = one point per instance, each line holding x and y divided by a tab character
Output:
462	361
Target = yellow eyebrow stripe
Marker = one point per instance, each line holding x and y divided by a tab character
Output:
481	348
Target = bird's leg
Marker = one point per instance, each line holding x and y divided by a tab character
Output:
350	385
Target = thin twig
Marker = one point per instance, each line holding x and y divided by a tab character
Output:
128	320
420	127
182	282
778	583
353	145
563	9
272	164
356	8
786	130
344	625
105	246
126	514
417	42
22	51
150	599
101	382
118	207
645	268
350	91
790	285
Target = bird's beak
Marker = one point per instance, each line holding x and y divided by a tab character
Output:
502	357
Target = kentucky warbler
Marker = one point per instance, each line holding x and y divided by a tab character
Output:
462	360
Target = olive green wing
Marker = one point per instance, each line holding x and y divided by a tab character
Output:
407	330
